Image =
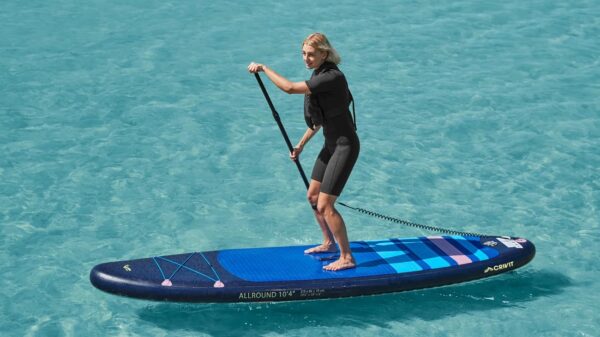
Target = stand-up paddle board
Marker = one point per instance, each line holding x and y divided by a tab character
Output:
286	273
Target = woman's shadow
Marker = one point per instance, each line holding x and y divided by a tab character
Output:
508	290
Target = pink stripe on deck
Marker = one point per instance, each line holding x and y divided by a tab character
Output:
449	249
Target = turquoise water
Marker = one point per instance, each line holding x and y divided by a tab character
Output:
131	129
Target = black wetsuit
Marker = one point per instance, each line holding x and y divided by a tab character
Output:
328	106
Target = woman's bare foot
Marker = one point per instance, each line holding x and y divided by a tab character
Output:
324	248
341	264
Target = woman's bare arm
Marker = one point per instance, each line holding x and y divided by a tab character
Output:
280	81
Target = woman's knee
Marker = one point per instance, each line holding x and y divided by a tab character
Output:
313	199
313	193
325	207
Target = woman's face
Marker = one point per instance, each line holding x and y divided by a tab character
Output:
313	58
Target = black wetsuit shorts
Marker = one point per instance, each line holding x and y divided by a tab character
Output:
338	156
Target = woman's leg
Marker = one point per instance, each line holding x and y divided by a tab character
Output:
325	207
328	239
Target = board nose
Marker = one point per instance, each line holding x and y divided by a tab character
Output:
98	276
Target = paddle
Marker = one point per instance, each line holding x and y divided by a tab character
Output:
281	128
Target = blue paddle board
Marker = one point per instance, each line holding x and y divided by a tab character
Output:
286	273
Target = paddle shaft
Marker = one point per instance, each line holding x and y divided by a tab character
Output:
281	128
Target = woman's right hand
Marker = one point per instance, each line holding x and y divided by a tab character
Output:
255	67
296	153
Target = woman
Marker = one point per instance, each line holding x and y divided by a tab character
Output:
326	103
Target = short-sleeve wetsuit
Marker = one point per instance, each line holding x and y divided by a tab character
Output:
327	105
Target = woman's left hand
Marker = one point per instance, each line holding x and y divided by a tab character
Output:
296	152
255	67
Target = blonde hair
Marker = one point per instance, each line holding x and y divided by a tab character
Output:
319	41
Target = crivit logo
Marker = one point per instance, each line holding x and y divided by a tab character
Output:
499	267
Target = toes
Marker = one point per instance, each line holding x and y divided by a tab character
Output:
335	266
331	267
312	250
